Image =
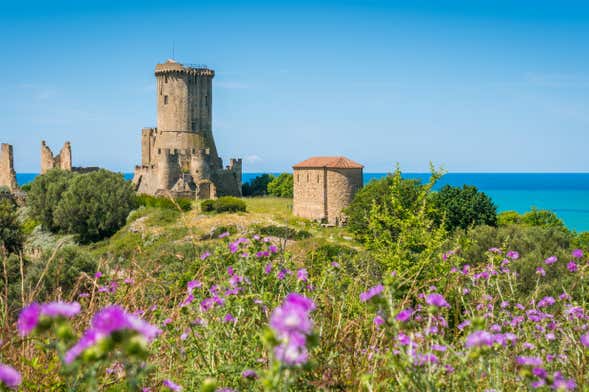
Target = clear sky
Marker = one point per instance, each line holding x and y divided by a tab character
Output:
470	85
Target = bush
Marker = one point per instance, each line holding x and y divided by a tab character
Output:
95	205
64	270
379	192
182	204
258	186
11	234
284	232
223	204
533	218
281	186
463	207
45	194
25	187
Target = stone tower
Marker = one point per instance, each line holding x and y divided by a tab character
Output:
7	173
62	161
182	149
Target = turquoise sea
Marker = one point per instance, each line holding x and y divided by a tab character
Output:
566	194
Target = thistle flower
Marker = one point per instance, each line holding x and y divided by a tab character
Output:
9	377
572	266
171	385
108	320
30	315
404	315
513	255
302	275
372	292
479	339
436	300
291	324
585	340
577	253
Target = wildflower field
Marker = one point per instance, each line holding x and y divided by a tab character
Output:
167	307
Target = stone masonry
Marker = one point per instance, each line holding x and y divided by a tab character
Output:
62	161
179	157
324	187
7	173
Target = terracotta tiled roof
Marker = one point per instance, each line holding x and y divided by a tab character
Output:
330	162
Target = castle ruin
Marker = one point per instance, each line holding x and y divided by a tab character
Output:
62	161
179	157
7	173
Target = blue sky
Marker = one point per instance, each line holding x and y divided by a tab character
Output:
469	85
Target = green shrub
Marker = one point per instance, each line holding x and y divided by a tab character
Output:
95	205
64	272
281	186
26	187
11	234
223	204
183	204
284	232
45	194
507	218
463	207
533	218
379	192
258	186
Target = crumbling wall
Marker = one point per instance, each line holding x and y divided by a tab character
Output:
62	161
7	173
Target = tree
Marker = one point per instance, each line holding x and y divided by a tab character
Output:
542	218
281	186
402	235
11	235
463	207
95	205
380	192
258	186
45	194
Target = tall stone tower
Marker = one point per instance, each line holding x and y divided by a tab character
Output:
182	149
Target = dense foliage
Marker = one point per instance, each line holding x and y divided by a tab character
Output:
181	204
223	204
463	208
281	186
258	186
11	235
92	205
95	205
379	193
534	217
45	194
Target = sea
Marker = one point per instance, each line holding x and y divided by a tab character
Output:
565	194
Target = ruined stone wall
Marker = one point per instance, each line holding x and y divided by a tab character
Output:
7	173
62	161
309	193
342	185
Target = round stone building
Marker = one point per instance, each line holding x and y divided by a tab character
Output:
324	187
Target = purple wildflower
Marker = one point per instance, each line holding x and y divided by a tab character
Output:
28	319
540	271
30	315
378	321
546	301
479	339
273	249
193	284
63	309
577	253
291	324
572	266
98	275
302	275
513	255
172	386
437	300
404	315
585	340
229	318
551	260
205	255
529	361
224	234
372	292
249	373
9	376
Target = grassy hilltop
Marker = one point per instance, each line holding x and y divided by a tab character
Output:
262	300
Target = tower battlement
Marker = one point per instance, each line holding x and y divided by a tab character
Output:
180	153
